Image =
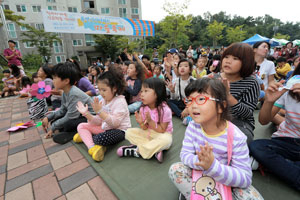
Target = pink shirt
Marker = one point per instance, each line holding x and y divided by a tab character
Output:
14	59
118	113
165	115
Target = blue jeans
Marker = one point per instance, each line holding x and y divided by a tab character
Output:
177	106
281	156
134	106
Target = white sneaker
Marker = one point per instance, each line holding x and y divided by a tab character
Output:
254	163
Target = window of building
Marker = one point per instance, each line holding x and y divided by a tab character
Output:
21	8
89	4
52	8
17	46
72	9
28	44
60	59
36	8
5	7
39	26
77	42
58	34
11	30
23	28
89	40
58	47
135	11
104	10
51	1
43	44
122	12
122	2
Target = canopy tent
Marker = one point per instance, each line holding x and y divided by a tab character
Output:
259	38
296	42
283	41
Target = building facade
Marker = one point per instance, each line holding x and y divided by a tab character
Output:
80	45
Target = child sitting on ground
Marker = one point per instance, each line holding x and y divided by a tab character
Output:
26	83
9	84
200	71
67	118
204	146
112	120
157	72
155	120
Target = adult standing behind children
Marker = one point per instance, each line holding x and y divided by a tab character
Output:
67	118
13	55
267	68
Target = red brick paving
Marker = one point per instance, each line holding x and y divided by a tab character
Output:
46	186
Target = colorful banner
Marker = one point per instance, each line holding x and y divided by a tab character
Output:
67	22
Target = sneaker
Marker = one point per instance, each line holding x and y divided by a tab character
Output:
98	154
77	138
181	197
128	151
254	163
159	156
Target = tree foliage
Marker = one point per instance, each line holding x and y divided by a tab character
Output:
32	61
236	34
42	40
214	31
281	36
9	15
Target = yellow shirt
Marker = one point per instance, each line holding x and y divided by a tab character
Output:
283	70
200	74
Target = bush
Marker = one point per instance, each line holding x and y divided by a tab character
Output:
32	61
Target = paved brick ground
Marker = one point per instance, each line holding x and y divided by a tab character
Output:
32	167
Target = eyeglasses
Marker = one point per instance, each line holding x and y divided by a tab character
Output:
200	100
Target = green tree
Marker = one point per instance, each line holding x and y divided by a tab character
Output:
236	34
32	61
42	40
214	31
175	26
281	36
110	46
9	15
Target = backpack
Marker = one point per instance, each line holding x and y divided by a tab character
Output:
205	187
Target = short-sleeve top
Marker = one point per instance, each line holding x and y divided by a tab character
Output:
165	115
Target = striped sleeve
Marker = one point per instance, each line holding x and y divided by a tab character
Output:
188	152
239	173
246	93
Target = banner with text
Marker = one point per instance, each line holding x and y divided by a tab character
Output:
67	22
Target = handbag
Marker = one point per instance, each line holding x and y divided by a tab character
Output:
205	187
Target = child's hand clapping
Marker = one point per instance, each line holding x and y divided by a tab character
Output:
97	105
205	156
81	108
148	118
138	117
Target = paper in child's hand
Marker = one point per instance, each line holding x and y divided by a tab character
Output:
292	81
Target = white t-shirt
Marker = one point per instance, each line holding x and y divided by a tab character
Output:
290	127
267	68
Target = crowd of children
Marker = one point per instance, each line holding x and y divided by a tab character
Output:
215	94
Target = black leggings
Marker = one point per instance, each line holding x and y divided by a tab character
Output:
109	137
70	128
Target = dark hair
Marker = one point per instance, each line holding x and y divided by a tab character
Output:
295	58
216	89
114	78
66	70
257	44
216	57
295	95
11	41
281	59
78	68
6	71
47	70
94	78
160	68
25	81
245	54
33	76
189	62
15	70
140	73
159	87
146	57
127	62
